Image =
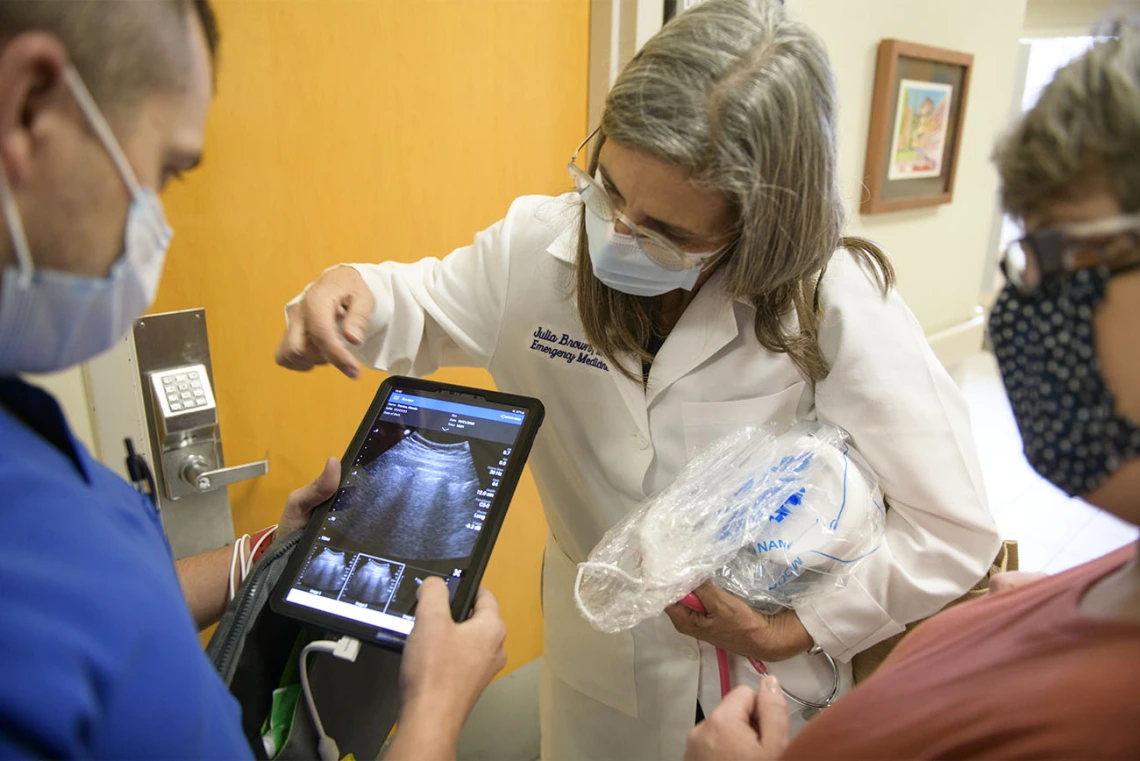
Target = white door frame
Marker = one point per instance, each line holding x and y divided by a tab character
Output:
618	29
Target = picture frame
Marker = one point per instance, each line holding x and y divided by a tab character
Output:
917	114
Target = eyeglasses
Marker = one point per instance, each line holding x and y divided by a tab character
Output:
1043	254
656	246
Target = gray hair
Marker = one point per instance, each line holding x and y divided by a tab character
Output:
742	99
1084	129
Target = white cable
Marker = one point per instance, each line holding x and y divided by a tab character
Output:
233	569
241	561
346	648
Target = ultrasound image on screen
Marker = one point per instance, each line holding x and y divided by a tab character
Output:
417	500
411	506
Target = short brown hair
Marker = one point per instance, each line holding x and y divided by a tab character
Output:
123	49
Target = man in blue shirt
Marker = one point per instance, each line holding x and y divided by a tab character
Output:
101	103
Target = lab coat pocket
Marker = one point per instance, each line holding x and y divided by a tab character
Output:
598	665
705	422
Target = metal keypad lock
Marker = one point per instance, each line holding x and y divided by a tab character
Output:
157	389
188	430
182	390
174	360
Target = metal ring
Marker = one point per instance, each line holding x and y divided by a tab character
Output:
834	686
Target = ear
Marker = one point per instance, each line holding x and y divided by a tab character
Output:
31	87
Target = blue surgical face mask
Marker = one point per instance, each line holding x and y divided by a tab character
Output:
51	320
620	263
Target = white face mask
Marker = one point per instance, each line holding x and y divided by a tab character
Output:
620	263
51	320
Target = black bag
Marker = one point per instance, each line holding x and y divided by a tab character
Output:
253	648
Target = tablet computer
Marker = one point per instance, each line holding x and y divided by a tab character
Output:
424	489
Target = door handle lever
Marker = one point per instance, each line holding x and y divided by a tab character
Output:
196	472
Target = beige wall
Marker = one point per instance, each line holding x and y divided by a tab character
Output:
939	252
1063	18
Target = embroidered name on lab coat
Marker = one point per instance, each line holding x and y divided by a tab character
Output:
562	346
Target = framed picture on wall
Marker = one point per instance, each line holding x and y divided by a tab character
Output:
916	126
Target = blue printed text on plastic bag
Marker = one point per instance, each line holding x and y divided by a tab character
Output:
772	515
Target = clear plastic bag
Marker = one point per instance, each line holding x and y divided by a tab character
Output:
771	515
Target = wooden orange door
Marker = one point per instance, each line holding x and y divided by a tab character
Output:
364	130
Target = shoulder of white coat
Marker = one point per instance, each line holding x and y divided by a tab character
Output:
857	313
852	279
537	224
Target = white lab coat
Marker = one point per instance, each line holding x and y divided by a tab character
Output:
506	303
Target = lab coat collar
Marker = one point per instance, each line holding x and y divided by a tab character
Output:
707	325
565	246
565	249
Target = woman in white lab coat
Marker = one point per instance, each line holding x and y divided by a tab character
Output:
696	282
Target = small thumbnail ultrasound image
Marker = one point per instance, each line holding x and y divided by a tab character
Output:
372	582
326	571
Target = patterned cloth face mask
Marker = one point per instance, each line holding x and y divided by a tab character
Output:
1044	343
